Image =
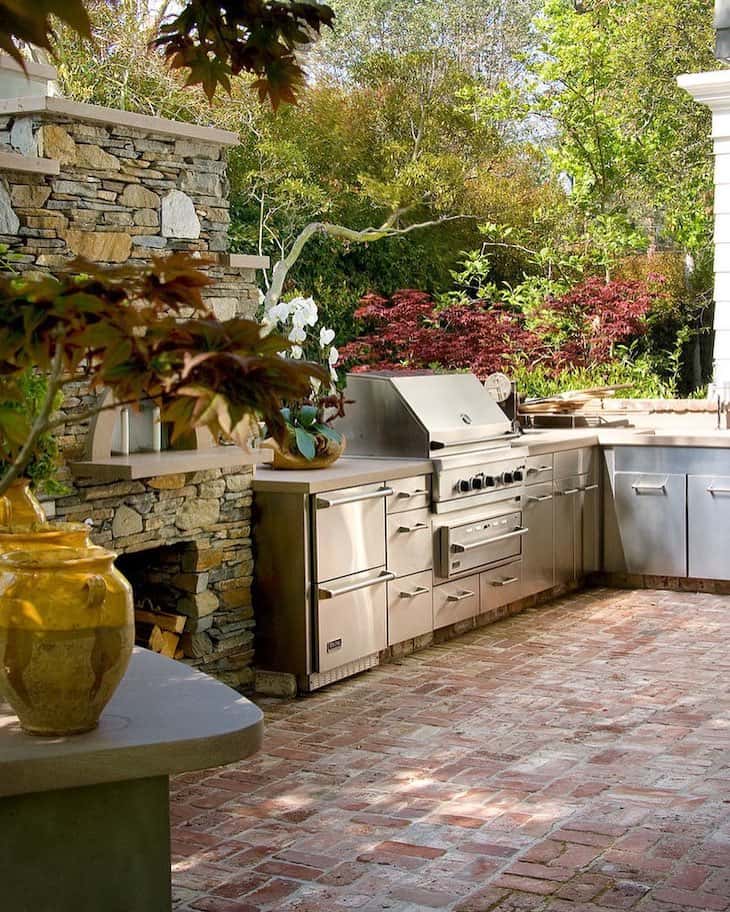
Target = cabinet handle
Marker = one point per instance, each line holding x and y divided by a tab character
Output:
713	490
591	487
416	493
459	596
343	590
416	527
419	590
457	546
534	470
505	582
540	499
639	487
568	492
324	503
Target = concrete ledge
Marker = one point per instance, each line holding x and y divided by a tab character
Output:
169	462
97	114
36	70
245	261
13	161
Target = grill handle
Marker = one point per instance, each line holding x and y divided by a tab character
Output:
324	503
366	584
471	546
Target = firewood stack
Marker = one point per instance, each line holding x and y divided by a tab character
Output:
158	630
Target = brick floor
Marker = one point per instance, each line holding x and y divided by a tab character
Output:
573	759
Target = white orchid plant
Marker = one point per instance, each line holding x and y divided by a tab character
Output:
309	420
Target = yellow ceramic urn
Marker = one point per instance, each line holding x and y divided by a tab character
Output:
66	636
19	507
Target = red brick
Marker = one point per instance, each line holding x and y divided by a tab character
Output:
526	884
404	848
705	901
284	869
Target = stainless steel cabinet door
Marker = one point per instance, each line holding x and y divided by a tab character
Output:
410	542
410	607
500	586
454	602
351	618
651	511
538	552
349	531
567	536
589	505
708	516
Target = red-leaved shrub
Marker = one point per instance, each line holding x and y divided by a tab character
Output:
580	328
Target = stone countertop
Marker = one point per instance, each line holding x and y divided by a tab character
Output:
347	472
164	718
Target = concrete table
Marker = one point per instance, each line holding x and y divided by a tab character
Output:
84	820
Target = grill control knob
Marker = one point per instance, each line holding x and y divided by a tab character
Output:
518	475
489	481
507	477
465	485
477	482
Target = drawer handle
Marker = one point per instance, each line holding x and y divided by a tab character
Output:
532	470
568	492
416	527
591	487
713	490
459	596
540	499
330	593
324	503
419	590
505	582
639	487
457	546
417	493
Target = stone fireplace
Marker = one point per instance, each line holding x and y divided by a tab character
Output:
116	187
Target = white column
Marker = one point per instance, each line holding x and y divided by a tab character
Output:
713	90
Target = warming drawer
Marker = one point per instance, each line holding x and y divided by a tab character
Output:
349	531
479	543
351	618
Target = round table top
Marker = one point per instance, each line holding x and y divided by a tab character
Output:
164	718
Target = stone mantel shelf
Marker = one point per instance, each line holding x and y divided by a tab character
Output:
169	462
164	718
51	104
13	161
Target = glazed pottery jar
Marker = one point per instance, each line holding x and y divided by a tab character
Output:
66	636
19	507
287	459
43	535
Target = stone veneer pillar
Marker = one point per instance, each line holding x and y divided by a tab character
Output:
713	90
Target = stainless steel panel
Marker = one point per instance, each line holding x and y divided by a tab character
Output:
672	460
566	534
409	494
583	461
500	586
652	527
410	607
538	548
708	517
349	531
590	507
351	621
465	546
410	542
456	601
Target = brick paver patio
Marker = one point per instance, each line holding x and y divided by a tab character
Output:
574	757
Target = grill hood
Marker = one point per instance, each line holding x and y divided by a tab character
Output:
404	415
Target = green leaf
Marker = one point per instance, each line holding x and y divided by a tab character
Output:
306	443
307	416
328	432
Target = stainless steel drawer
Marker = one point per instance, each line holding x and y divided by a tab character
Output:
409	493
500	586
539	468
349	531
454	602
708	515
652	524
583	461
410	607
410	542
351	618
